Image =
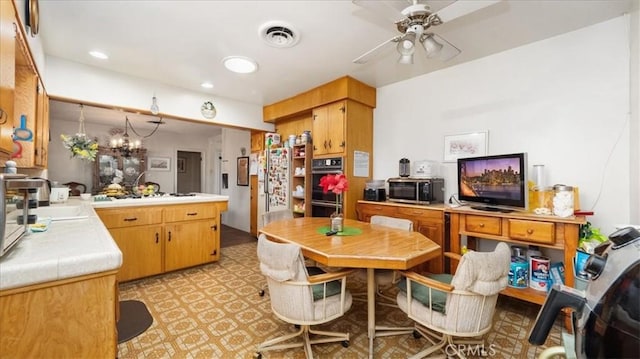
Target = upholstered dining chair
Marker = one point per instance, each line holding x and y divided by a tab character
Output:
444	307
273	216
385	278
76	188
300	299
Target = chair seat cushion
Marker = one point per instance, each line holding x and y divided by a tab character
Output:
420	292
333	287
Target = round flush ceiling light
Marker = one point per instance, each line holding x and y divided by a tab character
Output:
98	55
207	85
240	64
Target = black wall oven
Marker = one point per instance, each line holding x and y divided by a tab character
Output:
324	204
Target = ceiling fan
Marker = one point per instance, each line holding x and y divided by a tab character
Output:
414	23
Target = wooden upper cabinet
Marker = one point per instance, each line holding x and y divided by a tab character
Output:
328	129
7	77
257	141
41	136
24	122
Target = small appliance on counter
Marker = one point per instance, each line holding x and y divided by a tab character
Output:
405	167
16	191
426	169
375	191
607	316
416	190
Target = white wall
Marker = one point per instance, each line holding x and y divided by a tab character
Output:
237	216
161	144
94	85
565	101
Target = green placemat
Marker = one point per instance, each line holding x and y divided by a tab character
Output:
346	231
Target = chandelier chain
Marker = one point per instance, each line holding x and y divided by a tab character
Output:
81	129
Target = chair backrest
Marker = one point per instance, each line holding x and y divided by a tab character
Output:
269	217
76	188
281	264
399	223
478	280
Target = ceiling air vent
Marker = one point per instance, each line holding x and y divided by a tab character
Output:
279	34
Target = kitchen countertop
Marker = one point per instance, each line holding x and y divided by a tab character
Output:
71	248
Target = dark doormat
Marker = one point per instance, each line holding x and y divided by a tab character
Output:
134	320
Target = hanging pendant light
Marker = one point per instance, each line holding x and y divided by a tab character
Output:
124	145
154	105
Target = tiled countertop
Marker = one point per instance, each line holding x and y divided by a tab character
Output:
73	248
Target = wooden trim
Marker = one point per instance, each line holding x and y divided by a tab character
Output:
56	283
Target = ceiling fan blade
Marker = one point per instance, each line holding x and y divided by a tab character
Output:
463	7
391	10
448	50
364	58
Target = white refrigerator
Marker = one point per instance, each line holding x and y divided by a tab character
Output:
274	181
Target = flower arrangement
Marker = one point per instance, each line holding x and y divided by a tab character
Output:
337	184
81	146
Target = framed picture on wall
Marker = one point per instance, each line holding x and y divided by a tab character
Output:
465	145
159	164
243	171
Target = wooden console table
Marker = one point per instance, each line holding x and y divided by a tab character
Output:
517	228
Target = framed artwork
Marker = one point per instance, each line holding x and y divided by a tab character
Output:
465	145
243	171
181	165
159	164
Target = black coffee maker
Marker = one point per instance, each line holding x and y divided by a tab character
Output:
405	167
606	316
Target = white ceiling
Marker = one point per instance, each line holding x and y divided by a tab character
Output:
182	43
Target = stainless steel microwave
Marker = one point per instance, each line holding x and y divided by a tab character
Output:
416	190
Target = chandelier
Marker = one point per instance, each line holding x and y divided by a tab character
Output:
126	146
123	144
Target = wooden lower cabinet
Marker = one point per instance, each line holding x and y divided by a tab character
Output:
159	239
427	220
141	248
69	318
191	243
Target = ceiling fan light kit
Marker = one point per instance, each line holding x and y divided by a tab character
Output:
414	21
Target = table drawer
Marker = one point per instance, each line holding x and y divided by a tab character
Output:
532	231
420	213
483	224
129	217
188	212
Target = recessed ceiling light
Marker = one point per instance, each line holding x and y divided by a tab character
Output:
98	55
207	85
240	64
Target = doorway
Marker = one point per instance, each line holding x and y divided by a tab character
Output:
189	172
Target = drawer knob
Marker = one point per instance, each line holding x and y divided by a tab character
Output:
481	225
529	231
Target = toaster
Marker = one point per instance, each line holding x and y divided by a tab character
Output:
375	194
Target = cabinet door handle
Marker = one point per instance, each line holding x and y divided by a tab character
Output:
192	214
130	219
215	251
342	144
214	227
157	237
325	143
169	236
329	143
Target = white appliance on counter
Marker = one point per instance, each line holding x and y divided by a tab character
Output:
274	181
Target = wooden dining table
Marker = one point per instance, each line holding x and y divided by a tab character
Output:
360	245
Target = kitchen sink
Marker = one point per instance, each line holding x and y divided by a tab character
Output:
61	213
